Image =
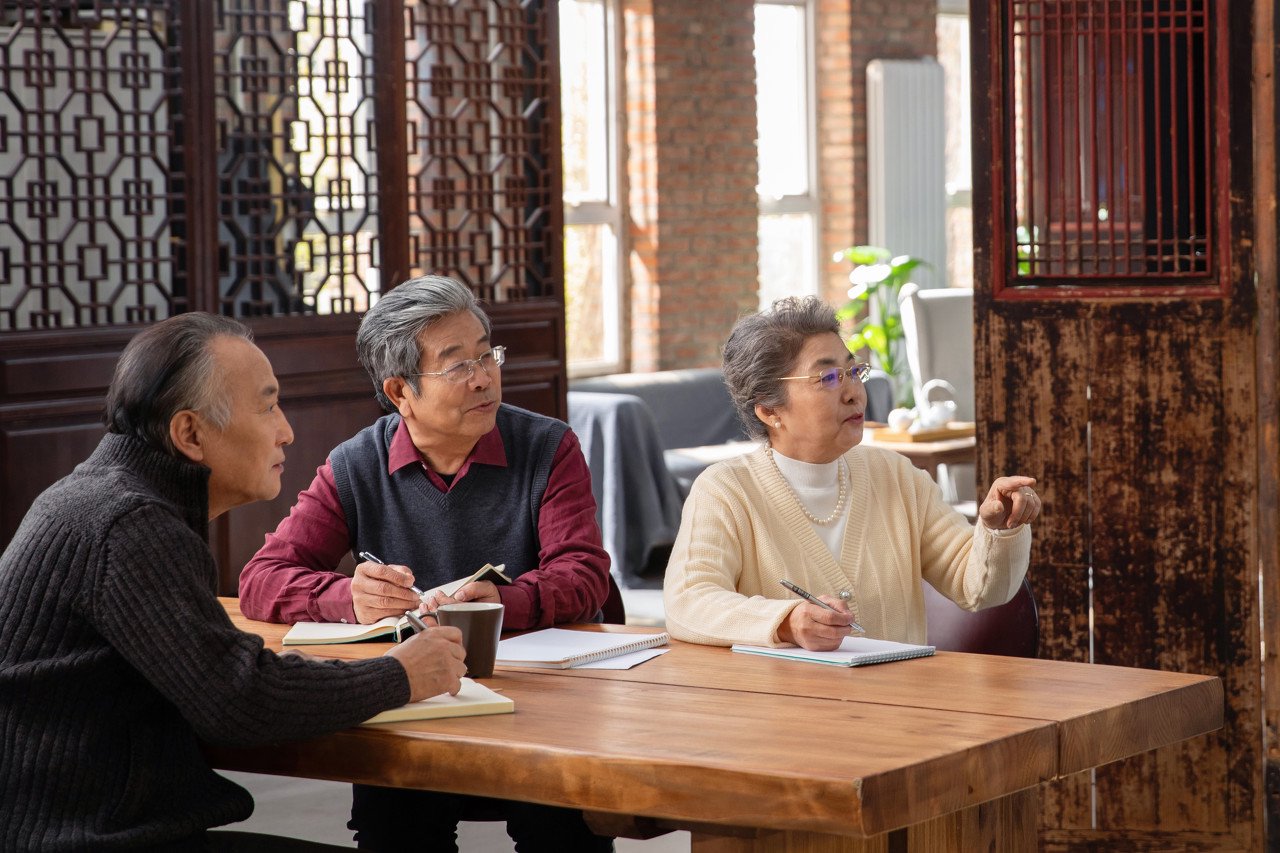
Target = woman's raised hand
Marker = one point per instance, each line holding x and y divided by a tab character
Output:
1010	502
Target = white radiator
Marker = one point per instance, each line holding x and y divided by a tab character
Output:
907	203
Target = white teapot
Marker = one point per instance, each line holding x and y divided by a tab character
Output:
936	413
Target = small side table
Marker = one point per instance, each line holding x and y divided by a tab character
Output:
928	455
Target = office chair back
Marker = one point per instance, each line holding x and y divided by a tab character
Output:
1012	629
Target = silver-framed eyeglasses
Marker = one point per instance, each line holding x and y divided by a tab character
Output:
464	370
832	377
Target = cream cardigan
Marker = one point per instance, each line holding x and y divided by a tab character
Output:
742	532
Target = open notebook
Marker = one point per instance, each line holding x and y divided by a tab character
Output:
473	700
559	648
392	629
853	651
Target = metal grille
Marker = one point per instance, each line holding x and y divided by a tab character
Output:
89	165
298	215
1113	150
482	121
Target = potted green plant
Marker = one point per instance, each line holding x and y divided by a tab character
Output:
872	314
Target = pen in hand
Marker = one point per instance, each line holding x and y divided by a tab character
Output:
813	599
365	555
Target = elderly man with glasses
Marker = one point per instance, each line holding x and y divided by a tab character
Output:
451	479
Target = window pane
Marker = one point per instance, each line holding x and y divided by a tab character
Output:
590	294
782	100
787	263
953	56
584	100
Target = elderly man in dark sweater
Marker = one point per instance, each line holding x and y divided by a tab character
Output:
116	658
451	479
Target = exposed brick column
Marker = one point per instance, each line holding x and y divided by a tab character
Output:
884	29
691	168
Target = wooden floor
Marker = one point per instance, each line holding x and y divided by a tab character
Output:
318	811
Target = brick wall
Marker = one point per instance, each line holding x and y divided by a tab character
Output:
691	169
692	166
851	33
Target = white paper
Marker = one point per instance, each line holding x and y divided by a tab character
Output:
623	661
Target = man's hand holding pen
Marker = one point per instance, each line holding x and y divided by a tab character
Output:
379	590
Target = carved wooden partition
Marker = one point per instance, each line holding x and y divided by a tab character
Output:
1115	310
281	161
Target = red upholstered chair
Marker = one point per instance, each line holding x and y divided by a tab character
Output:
1012	629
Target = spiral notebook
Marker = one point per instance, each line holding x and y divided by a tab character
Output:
853	651
559	648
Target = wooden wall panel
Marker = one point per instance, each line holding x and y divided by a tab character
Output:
1144	466
1142	406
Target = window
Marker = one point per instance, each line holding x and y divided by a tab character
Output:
953	56
592	209
785	120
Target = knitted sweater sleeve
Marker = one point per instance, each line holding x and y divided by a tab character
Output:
155	605
712	553
973	566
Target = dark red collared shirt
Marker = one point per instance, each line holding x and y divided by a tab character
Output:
292	576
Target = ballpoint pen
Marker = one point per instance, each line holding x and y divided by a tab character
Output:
365	555
418	624
813	599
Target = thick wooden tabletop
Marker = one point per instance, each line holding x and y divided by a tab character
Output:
706	736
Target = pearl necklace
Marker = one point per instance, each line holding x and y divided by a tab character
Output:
836	513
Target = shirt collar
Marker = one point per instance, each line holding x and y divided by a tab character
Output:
489	450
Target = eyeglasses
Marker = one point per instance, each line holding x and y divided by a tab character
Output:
834	376
464	370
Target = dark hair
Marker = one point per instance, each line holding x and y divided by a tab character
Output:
165	369
764	346
387	341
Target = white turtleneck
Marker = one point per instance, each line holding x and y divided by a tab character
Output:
817	485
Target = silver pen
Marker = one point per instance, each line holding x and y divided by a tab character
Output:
813	599
365	555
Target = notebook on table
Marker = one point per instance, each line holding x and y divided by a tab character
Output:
473	700
853	651
391	629
559	648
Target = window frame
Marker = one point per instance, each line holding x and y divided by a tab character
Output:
611	211
811	202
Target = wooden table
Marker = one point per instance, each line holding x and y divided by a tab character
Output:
928	455
753	753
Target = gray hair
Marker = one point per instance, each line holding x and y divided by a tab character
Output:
387	342
763	347
166	369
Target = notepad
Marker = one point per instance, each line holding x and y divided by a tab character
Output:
559	648
473	700
493	574
391	629
388	630
853	651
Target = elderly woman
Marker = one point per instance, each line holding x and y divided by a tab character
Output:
857	526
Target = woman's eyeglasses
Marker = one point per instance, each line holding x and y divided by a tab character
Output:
832	377
464	370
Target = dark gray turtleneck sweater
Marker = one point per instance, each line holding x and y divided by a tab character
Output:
116	659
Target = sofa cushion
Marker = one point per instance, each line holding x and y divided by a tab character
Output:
691	407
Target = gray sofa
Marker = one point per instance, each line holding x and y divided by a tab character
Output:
646	437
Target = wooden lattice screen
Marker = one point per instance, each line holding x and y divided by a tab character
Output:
282	161
1116	326
242	155
1119	174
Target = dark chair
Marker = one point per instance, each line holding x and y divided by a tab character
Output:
612	612
1012	629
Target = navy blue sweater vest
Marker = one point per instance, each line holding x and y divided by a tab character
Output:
489	516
